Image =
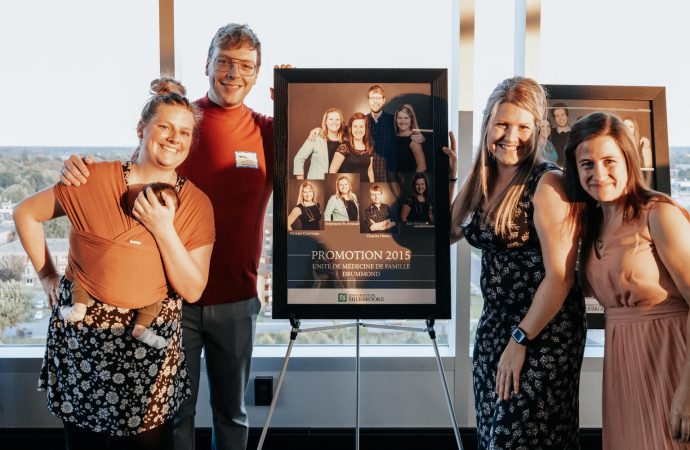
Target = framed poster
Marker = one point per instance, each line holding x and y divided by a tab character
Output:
642	108
361	204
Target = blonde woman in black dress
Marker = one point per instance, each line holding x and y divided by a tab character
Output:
531	333
307	210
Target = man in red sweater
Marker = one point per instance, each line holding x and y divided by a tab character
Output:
232	163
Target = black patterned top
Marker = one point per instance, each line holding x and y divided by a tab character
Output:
356	161
420	212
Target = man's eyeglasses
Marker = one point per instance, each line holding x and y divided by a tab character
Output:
224	64
376	99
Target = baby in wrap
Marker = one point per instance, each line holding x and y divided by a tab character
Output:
144	315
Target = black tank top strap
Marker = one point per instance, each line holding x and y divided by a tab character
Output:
538	171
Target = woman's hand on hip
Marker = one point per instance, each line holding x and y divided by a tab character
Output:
509	368
51	286
680	413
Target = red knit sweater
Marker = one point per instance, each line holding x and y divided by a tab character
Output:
232	162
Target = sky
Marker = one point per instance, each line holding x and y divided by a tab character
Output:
75	73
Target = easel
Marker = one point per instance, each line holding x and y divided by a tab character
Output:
295	324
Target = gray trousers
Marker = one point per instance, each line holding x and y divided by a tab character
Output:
226	334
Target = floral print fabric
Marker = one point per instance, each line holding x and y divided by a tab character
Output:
544	415
99	377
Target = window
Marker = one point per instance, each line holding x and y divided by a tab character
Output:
495	36
365	34
632	52
75	85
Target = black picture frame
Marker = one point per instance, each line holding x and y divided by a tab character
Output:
646	107
647	104
298	92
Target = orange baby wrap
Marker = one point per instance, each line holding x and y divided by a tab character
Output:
121	272
113	256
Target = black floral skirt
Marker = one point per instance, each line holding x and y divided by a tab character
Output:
100	378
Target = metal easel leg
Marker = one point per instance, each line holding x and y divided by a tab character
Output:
357	389
439	363
293	335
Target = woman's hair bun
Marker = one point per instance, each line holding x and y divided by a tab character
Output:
165	85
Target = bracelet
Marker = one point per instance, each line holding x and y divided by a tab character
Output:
452	180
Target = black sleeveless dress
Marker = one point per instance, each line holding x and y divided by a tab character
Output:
404	155
419	211
310	216
356	161
544	415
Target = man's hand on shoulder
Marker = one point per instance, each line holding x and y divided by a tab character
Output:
418	138
313	134
75	171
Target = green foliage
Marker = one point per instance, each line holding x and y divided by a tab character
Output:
15	304
680	155
12	267
56	228
6	179
30	178
25	170
50	177
16	192
684	174
346	336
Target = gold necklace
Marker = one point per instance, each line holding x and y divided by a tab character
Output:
310	216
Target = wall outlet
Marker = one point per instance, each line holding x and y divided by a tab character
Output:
263	391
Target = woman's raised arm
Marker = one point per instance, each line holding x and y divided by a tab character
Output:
28	216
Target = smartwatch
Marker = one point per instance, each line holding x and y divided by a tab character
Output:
520	337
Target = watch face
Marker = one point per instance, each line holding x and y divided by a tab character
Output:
519	335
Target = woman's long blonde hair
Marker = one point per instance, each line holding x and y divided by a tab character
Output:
409	110
300	195
337	182
529	95
324	128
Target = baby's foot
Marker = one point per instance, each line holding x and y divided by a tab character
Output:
74	313
148	337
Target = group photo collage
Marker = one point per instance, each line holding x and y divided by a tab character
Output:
360	158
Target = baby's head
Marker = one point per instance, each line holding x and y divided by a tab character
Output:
159	188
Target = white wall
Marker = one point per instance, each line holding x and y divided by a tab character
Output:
318	392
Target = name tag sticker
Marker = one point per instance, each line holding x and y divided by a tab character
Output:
246	160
